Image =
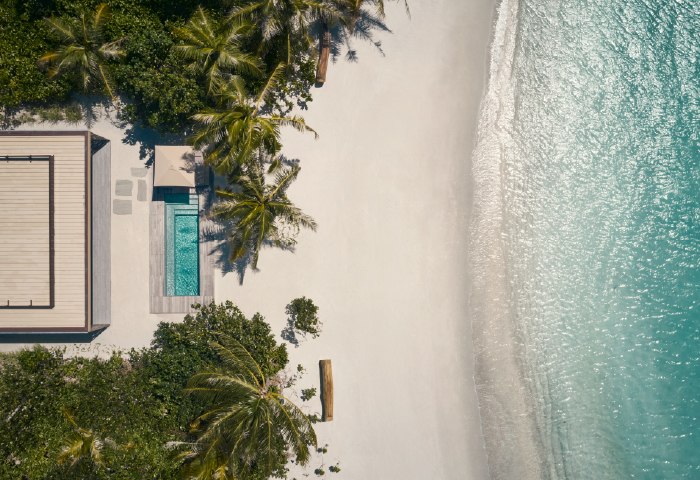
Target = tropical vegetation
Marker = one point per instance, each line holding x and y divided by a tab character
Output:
260	210
304	315
249	424
226	73
236	130
66	416
83	50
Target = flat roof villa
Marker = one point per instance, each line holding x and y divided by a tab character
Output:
63	217
54	231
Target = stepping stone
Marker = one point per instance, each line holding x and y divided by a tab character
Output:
141	193
139	172
122	207
124	188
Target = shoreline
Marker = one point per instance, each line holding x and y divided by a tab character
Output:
504	383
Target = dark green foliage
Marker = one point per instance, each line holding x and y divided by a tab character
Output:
110	397
38	359
163	94
248	425
305	316
308	393
20	79
195	334
160	92
130	398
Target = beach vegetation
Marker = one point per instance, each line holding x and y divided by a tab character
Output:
248	424
286	27
259	210
213	48
129	406
163	93
304	314
83	51
237	129
307	394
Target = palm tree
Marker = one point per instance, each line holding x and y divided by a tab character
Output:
214	47
287	22
260	212
82	443
249	424
83	49
355	9
235	130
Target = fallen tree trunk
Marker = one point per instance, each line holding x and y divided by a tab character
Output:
327	390
325	53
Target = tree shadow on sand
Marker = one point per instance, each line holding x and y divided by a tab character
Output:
217	232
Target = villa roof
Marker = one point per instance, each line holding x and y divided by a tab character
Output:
54	232
176	166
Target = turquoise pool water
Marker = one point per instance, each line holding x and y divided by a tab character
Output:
181	244
598	216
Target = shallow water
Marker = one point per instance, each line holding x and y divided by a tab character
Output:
600	230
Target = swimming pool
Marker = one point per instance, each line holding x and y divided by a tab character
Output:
181	244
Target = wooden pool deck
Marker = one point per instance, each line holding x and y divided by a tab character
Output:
159	303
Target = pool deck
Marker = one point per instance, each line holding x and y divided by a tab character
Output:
159	303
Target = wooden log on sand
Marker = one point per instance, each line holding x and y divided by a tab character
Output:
326	390
325	53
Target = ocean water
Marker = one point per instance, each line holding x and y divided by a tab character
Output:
589	165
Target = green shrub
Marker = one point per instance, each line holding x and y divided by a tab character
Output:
37	359
191	338
162	92
51	114
305	316
307	394
132	397
73	113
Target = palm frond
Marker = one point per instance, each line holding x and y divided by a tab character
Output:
270	85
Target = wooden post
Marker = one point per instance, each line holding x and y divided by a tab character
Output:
326	389
325	52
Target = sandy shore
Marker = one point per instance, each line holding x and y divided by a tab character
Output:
389	184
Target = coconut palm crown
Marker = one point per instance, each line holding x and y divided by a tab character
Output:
237	129
249	424
83	49
83	443
354	9
213	47
261	213
286	21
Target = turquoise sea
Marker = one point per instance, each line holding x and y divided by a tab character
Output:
600	229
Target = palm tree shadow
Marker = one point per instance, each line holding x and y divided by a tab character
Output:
147	138
366	28
216	231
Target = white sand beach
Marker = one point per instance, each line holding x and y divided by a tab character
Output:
388	182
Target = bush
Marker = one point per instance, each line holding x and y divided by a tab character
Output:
73	113
164	94
307	394
52	114
305	316
37	359
132	397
